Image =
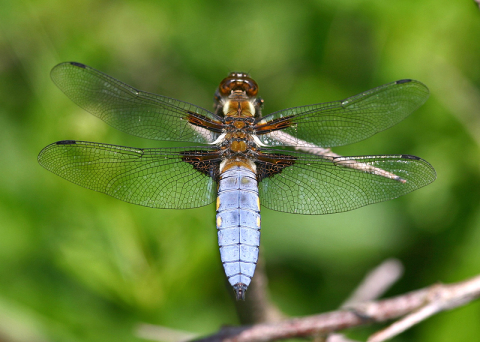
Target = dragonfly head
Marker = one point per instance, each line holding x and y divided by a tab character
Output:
237	86
238	81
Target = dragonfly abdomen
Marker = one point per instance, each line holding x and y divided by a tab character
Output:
238	224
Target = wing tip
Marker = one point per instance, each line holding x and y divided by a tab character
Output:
414	82
432	172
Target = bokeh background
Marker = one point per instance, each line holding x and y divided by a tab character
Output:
76	265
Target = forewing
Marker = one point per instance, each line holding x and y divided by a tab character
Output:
314	185
343	122
130	110
157	177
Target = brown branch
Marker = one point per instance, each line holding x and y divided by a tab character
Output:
338	338
373	286
376	282
326	153
159	333
427	301
439	298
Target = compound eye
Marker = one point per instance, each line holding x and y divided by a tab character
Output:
227	86
238	81
250	87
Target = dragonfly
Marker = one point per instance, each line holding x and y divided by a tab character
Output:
241	159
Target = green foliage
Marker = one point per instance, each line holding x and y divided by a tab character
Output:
81	266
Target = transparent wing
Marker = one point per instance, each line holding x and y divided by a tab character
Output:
156	177
130	110
313	185
344	122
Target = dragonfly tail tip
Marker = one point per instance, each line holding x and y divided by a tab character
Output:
240	290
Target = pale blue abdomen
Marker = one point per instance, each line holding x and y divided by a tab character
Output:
238	224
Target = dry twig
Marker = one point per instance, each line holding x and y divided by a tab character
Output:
372	287
418	305
376	282
358	310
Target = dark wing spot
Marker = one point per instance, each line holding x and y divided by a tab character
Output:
207	163
403	81
66	142
78	64
408	156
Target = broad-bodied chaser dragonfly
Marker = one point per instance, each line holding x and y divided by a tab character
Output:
238	165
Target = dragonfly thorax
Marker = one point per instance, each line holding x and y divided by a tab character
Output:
239	144
238	108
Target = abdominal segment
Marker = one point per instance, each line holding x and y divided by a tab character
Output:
238	224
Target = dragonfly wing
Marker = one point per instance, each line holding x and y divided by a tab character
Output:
343	122
316	185
130	110
157	177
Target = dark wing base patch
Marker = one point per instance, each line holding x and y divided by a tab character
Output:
269	165
207	163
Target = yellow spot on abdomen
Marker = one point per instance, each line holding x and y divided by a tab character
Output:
219	222
218	202
258	221
258	203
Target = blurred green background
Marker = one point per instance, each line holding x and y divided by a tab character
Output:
81	266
